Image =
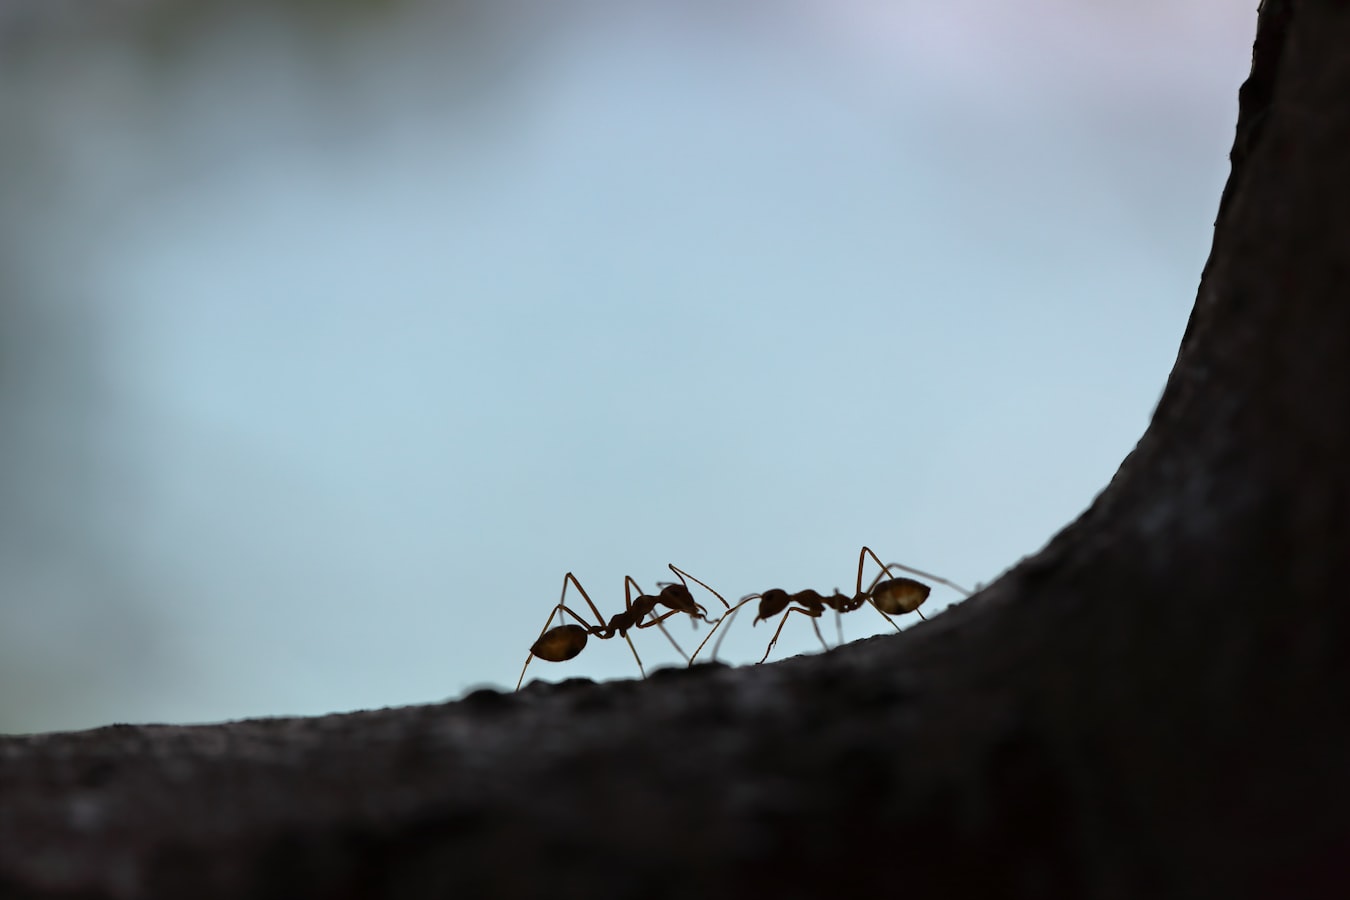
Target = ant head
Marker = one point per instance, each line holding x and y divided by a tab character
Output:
900	595
771	603
560	643
678	597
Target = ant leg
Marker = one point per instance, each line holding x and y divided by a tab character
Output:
930	576
641	670
820	636
558	611
587	597
657	620
886	570
530	656
839	627
717	647
791	609
872	603
862	558
725	618
628	585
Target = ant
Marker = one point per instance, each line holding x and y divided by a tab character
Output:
563	642
889	596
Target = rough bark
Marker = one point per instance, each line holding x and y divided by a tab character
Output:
1156	704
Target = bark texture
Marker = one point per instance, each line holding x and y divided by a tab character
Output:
1155	705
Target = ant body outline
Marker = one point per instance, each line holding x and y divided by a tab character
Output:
566	641
889	596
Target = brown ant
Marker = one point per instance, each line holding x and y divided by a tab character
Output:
563	642
888	596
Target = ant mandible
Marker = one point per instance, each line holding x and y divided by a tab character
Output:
563	642
888	596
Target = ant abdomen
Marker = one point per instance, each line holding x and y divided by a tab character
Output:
900	595
560	643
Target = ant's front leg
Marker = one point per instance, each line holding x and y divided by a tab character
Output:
724	619
813	613
646	604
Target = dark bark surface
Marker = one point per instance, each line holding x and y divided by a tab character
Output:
1157	704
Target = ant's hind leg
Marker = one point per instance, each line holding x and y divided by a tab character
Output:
570	646
530	656
558	611
872	603
585	596
862	558
929	575
886	571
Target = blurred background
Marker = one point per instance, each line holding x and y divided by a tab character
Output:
333	334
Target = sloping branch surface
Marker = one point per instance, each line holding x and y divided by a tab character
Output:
1155	705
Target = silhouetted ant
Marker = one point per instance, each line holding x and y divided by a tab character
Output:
889	596
563	642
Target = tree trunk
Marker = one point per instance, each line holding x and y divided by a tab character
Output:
1156	704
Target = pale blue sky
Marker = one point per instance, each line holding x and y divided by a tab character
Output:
381	334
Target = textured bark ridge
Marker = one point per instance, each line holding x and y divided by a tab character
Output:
1155	705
